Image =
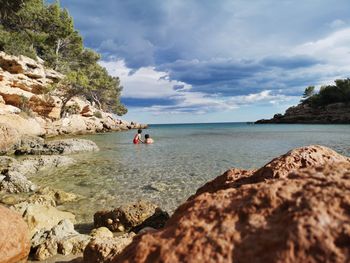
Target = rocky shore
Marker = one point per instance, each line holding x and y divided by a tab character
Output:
27	106
293	209
336	113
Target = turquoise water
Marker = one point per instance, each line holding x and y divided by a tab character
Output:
182	158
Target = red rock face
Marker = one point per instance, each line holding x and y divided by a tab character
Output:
294	209
14	237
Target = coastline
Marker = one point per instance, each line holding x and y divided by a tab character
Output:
268	193
336	113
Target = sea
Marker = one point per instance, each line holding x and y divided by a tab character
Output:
182	158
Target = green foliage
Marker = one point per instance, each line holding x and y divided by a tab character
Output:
338	93
33	28
309	91
72	109
8	7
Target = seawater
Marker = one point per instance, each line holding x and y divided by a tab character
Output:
182	159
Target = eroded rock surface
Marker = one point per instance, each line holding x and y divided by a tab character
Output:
37	146
294	209
106	249
40	217
131	217
14	237
13	173
61	239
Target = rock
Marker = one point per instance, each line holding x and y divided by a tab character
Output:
106	249
62	239
59	196
14	173
11	179
9	109
40	217
23	126
9	137
71	146
224	181
101	232
73	244
280	167
67	146
300	216
14	240
53	75
303	157
131	217
87	111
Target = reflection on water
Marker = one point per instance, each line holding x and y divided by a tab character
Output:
182	158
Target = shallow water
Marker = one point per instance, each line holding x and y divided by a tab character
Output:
182	158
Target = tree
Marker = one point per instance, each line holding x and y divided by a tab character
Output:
34	28
309	91
9	7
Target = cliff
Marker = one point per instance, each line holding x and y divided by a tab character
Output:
27	107
336	113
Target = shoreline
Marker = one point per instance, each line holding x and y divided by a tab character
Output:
304	168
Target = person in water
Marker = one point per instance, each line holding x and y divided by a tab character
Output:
148	140
137	138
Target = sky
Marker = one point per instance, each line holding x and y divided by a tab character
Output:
185	61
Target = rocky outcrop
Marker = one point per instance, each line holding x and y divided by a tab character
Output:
60	239
14	239
57	147
9	137
337	113
23	79
27	106
13	173
106	249
131	217
24	126
294	209
40	217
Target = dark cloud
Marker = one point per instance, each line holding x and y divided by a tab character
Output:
226	48
136	102
290	62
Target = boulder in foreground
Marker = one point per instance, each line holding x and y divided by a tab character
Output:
14	237
294	209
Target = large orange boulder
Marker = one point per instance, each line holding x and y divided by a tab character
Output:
14	237
294	209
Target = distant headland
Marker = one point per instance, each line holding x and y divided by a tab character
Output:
330	105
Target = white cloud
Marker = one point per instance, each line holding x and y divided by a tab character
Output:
148	83
143	83
334	48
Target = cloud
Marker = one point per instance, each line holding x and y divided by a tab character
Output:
202	55
155	92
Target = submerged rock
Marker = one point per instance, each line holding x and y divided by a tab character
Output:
59	196
67	146
14	240
294	209
106	249
13	173
131	217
